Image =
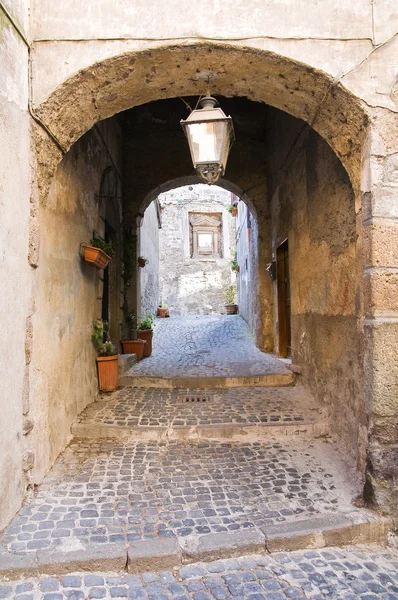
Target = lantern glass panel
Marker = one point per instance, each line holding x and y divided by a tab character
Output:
208	141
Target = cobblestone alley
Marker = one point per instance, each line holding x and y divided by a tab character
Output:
198	493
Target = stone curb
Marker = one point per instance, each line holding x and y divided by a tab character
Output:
209	432
154	555
328	530
270	380
214	546
93	557
167	553
16	566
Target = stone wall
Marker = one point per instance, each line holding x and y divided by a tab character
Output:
244	221
15	299
68	293
190	285
149	248
313	206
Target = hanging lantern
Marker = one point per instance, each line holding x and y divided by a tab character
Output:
210	135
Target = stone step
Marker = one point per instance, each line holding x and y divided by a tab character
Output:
208	432
240	414
267	380
161	554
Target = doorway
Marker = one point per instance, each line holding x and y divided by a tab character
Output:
284	307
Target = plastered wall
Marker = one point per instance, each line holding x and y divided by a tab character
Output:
15	298
244	258
68	295
313	206
149	249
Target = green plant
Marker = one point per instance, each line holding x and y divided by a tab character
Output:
230	294
234	264
102	245
147	322
231	207
131	323
163	305
100	339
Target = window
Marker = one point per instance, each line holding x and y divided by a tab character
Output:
205	235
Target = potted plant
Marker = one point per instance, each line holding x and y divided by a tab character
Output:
145	332
234	264
163	310
98	252
233	209
142	261
107	359
133	344
230	306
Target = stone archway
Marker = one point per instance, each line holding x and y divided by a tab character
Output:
134	78
131	79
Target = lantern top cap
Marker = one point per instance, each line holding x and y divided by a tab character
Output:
208	102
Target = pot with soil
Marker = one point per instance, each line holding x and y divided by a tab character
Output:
145	332
134	347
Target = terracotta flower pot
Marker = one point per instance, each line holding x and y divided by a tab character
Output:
108	373
231	309
96	256
162	312
134	347
141	262
147	335
234	212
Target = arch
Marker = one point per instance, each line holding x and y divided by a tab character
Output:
192	180
134	78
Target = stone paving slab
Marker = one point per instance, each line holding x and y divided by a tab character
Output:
216	414
352	573
102	492
213	346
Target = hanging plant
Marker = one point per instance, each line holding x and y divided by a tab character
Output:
142	261
98	252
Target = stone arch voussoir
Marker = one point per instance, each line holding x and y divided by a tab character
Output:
134	78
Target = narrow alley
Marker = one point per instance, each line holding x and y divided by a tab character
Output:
157	477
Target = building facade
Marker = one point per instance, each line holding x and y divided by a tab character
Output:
87	96
197	243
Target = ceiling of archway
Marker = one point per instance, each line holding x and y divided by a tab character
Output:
156	150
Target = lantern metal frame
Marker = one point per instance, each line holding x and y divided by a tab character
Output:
210	171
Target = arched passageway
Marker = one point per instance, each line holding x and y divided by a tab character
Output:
299	161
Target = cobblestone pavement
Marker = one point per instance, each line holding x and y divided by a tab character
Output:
356	573
205	346
157	407
104	492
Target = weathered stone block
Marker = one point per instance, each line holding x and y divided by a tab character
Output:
153	555
384	430
381	367
380	243
27	426
214	546
92	557
383	462
28	460
381	292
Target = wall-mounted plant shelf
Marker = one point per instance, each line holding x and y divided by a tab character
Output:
96	256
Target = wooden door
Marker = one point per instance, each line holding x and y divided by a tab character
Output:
284	310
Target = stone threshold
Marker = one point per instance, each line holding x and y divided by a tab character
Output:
219	432
166	553
266	380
